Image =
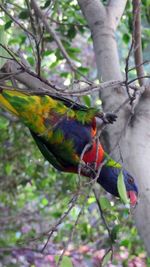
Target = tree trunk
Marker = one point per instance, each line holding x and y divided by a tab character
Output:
134	141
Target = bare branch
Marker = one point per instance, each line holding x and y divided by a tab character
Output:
138	55
74	228
105	224
25	76
53	229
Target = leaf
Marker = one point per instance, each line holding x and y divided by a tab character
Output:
66	261
83	70
7	24
47	3
24	14
47	53
104	202
65	74
126	38
114	232
8	168
71	32
122	188
87	100
31	61
44	202
106	258
74	49
55	64
3	123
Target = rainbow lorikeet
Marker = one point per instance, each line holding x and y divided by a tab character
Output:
63	129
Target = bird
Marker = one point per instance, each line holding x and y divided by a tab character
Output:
66	134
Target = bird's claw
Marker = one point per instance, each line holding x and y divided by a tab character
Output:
109	117
87	170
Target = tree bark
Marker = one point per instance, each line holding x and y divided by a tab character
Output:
135	141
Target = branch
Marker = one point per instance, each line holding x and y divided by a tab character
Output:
40	14
73	230
61	219
138	55
17	22
24	76
90	10
116	9
105	224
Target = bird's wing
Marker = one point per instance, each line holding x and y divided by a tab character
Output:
46	152
61	128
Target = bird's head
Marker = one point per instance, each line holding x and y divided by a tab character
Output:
108	180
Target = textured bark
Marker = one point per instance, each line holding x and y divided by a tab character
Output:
135	142
102	25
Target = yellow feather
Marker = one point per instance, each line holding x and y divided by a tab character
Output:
5	104
34	110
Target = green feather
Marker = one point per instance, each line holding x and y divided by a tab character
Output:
46	152
111	163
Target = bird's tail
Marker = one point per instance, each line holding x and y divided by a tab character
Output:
5	95
33	110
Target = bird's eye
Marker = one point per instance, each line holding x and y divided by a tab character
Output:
130	180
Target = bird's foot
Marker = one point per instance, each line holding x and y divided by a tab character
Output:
88	170
109	117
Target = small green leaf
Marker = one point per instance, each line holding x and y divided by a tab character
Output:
66	261
7	24
71	32
87	100
44	202
126	38
8	168
3	123
31	61
83	70
74	49
106	259
105	204
24	14
65	74
122	188
47	53
114	232
47	3
55	64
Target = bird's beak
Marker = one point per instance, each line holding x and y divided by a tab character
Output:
133	198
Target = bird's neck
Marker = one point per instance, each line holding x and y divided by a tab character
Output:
111	162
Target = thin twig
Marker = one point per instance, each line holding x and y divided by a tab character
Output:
105	223
51	231
40	14
74	228
16	21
